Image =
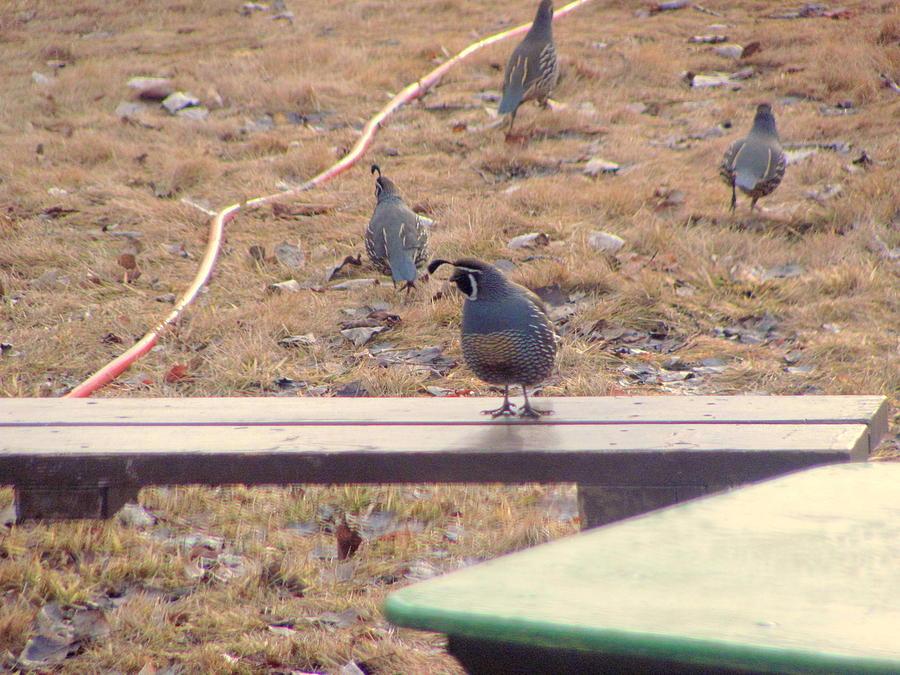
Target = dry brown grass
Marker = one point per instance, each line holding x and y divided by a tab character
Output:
684	266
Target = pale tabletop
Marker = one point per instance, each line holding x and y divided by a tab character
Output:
799	574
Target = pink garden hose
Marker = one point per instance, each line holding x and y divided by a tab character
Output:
114	368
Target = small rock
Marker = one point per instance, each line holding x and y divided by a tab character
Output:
152	88
605	241
198	113
298	340
289	255
729	51
707	39
135	515
597	165
250	7
826	192
505	266
41	79
131	111
530	240
794	156
168	297
289	286
718	79
636	108
178	100
352	390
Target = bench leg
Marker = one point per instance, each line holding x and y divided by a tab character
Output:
603	504
67	504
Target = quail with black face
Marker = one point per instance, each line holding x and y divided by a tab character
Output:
533	68
507	337
396	238
755	164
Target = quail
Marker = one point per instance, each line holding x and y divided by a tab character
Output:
755	164
507	337
533	69
396	238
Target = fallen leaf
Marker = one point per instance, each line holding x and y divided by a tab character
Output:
42	651
348	541
751	48
360	336
332	272
177	373
127	260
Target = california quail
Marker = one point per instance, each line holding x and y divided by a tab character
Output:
396	238
533	69
507	337
755	164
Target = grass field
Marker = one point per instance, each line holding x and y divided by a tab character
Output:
802	297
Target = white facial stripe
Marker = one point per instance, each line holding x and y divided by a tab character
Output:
474	294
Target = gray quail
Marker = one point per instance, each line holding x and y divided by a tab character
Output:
755	164
533	68
507	337
396	238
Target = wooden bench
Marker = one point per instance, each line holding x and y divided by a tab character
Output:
798	574
84	458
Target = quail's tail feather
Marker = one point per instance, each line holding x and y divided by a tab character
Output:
403	269
512	98
400	258
746	178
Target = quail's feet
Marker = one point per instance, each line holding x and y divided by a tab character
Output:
506	409
530	411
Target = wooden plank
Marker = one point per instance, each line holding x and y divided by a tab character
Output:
264	411
794	575
603	504
598	454
94	502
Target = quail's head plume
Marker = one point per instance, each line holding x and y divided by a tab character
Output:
533	68
507	337
756	163
396	238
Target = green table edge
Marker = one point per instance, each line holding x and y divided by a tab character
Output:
760	658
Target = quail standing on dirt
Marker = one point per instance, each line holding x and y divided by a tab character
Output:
755	164
396	238
533	68
507	337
